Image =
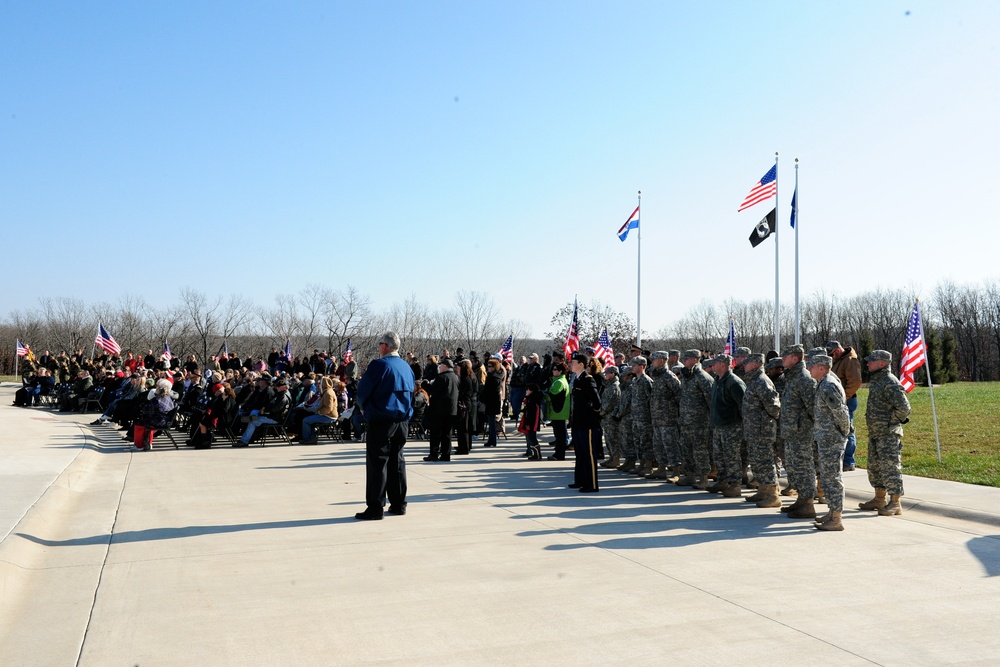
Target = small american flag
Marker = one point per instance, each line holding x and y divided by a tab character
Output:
765	188
22	349
914	352
602	349
167	354
106	341
731	339
348	354
506	351
572	343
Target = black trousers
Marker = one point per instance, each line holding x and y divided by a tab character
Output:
560	441
440	436
587	445
385	466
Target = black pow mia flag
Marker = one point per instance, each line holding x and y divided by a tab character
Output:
763	229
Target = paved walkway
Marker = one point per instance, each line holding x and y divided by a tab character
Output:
252	557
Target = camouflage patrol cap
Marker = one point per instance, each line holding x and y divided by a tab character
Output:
796	350
707	363
659	354
832	345
673	353
813	351
611	370
638	361
722	359
756	358
879	355
691	354
742	352
773	363
820	360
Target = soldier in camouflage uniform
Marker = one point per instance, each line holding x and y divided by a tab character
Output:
775	371
726	418
761	410
664	411
642	419
820	493
831	424
888	409
739	358
797	406
696	401
609	401
622	415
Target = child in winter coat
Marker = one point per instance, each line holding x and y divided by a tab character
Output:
531	421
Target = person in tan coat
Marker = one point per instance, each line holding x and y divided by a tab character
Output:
326	413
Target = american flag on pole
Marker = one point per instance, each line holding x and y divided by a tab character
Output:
572	343
765	188
730	348
167	354
914	352
602	349
506	351
22	349
106	341
288	349
348	355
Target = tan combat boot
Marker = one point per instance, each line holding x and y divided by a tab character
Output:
820	496
756	496
789	491
648	465
611	463
675	474
628	465
713	474
701	483
687	479
832	522
719	486
732	491
805	511
799	502
893	508
876	503
771	497
659	473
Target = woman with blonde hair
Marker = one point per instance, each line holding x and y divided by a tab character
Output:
326	413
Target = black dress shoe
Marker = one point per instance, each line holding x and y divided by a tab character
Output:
553	457
574	486
398	511
445	458
431	458
589	490
368	515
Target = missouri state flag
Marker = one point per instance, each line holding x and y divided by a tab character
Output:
630	224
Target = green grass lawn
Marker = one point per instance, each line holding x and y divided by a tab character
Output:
969	428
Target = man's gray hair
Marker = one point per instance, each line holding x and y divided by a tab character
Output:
391	339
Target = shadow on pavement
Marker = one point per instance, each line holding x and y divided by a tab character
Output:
987	550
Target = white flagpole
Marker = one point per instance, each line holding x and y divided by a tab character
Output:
795	212
638	279
777	312
930	385
93	348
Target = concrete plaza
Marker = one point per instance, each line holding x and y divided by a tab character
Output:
253	557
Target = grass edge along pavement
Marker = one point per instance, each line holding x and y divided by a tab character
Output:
970	433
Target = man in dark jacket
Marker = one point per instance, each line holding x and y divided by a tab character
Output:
585	424
726	419
442	411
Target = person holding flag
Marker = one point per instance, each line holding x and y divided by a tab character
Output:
887	410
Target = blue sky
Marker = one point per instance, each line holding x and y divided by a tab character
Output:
427	147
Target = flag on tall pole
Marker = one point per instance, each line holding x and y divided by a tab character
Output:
793	220
106	341
572	343
764	228
288	349
765	188
22	349
348	354
630	224
506	350
730	348
602	349
914	352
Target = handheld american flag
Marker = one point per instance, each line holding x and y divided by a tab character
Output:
602	349
765	188
914	352
572	343
731	339
22	349
167	354
348	355
288	349
106	341
506	351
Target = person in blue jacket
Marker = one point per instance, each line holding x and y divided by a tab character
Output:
385	398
